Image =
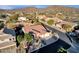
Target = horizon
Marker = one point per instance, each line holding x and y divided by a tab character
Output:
10	7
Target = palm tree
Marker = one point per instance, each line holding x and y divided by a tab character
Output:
19	39
28	37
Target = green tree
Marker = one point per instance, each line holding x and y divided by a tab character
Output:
13	18
3	16
19	39
67	27
62	50
28	37
1	25
50	22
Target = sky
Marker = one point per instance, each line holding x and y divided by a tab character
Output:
37	6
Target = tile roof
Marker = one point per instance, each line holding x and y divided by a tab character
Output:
4	36
37	29
7	44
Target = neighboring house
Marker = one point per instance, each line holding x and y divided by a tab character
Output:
41	17
9	31
8	47
59	22
6	37
7	44
2	20
8	14
22	19
54	18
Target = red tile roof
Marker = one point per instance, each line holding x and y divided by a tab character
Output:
37	29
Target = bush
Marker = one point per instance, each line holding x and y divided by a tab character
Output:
50	22
62	50
28	37
1	25
19	38
67	27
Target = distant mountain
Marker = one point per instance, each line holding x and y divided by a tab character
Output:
19	10
49	8
61	8
28	9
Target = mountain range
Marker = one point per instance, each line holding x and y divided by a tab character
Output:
34	9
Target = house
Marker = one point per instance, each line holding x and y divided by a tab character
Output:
2	20
8	47
54	18
42	37
41	17
7	43
36	29
22	19
6	37
9	31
